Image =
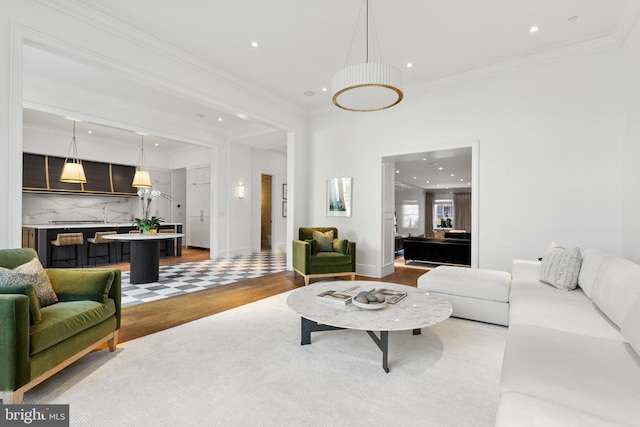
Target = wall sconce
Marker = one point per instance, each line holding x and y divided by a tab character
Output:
241	191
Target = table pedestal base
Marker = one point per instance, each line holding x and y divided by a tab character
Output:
145	261
382	341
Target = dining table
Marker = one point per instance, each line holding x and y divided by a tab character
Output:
144	258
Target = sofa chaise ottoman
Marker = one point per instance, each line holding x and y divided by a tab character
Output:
475	294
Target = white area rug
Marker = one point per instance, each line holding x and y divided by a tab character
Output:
246	367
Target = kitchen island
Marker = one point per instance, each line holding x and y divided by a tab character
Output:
39	236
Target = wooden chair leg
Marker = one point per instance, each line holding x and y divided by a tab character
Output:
12	397
113	342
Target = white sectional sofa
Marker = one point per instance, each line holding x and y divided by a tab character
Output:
571	357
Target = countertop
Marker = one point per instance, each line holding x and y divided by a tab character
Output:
89	225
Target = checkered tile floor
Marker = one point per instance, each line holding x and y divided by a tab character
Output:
196	276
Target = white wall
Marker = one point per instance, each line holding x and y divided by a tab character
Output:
550	140
240	225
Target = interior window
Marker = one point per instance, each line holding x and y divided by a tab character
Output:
410	215
443	214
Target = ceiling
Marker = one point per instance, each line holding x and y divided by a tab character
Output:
437	171
302	43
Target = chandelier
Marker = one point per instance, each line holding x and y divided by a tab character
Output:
368	86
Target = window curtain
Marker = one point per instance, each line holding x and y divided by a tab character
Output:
428	215
462	207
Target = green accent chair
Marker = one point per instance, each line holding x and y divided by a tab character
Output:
86	316
311	263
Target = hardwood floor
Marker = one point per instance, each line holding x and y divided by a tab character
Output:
144	319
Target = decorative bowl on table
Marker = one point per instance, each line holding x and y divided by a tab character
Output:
368	301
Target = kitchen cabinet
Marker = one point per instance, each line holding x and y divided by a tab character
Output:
199	175
41	173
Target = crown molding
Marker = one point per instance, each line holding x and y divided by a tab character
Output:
591	47
100	17
628	20
532	61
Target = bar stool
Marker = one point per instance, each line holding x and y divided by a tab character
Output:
168	242
124	244
67	239
99	240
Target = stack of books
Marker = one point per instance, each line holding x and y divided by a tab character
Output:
338	297
390	296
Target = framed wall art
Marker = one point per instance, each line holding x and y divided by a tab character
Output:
339	197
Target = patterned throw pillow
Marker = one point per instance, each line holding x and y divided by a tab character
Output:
12	282
41	284
561	267
325	240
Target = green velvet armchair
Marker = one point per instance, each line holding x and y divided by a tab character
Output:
37	342
323	255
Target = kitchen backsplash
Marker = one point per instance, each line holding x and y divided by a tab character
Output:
46	208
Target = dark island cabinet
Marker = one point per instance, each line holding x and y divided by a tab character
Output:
41	173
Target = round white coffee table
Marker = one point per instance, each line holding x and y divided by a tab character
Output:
417	310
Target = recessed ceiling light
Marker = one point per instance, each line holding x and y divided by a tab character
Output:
397	171
453	174
427	182
409	64
440	168
219	119
424	160
254	44
156	144
461	179
533	29
324	89
89	131
415	177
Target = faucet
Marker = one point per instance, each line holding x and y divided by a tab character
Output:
104	214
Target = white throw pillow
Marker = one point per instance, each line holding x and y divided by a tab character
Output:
591	260
560	267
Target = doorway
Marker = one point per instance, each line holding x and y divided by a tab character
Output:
410	172
266	219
